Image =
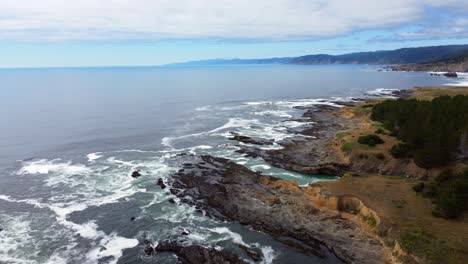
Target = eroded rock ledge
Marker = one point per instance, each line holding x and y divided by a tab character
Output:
194	254
308	155
288	212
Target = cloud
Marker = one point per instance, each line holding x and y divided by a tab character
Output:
65	20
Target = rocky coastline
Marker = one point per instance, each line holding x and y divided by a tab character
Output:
341	222
291	214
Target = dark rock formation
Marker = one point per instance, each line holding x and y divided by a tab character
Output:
309	156
195	254
136	174
185	232
451	74
255	255
229	191
250	140
149	250
161	183
171	200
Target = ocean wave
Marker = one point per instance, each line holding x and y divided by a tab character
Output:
461	80
44	166
17	235
93	156
113	244
277	113
256	103
260	167
382	92
306	102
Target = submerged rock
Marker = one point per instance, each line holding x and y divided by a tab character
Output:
161	183
195	254
149	250
255	255
136	174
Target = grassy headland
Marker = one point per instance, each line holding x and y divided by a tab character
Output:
422	215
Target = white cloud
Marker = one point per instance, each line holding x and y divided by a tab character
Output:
57	20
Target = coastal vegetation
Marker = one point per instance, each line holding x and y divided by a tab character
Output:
449	191
370	140
423	214
433	133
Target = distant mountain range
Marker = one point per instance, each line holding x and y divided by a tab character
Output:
442	55
455	63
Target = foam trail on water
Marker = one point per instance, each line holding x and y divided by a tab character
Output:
93	156
44	166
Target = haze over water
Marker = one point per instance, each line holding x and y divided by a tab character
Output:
70	138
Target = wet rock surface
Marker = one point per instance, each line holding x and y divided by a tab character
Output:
250	140
311	155
228	191
194	254
136	174
161	183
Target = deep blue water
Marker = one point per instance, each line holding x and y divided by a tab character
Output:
70	137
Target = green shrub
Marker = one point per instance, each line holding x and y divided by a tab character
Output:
370	140
363	156
370	220
379	156
346	147
419	187
401	151
347	175
450	194
421	243
380	131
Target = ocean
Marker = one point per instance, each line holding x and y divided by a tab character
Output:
70	139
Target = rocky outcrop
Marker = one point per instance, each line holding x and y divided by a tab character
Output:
451	74
229	191
195	254
250	140
136	174
311	155
161	183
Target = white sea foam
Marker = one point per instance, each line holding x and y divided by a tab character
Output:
235	237
111	246
96	185
382	92
93	156
295	124
259	103
114	244
462	80
277	113
203	108
306	102
260	167
16	235
268	254
44	166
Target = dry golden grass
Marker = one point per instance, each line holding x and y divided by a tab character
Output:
429	93
405	215
403	212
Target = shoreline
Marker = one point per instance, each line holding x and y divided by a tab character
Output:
345	220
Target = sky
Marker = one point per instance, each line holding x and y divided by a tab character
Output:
76	33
